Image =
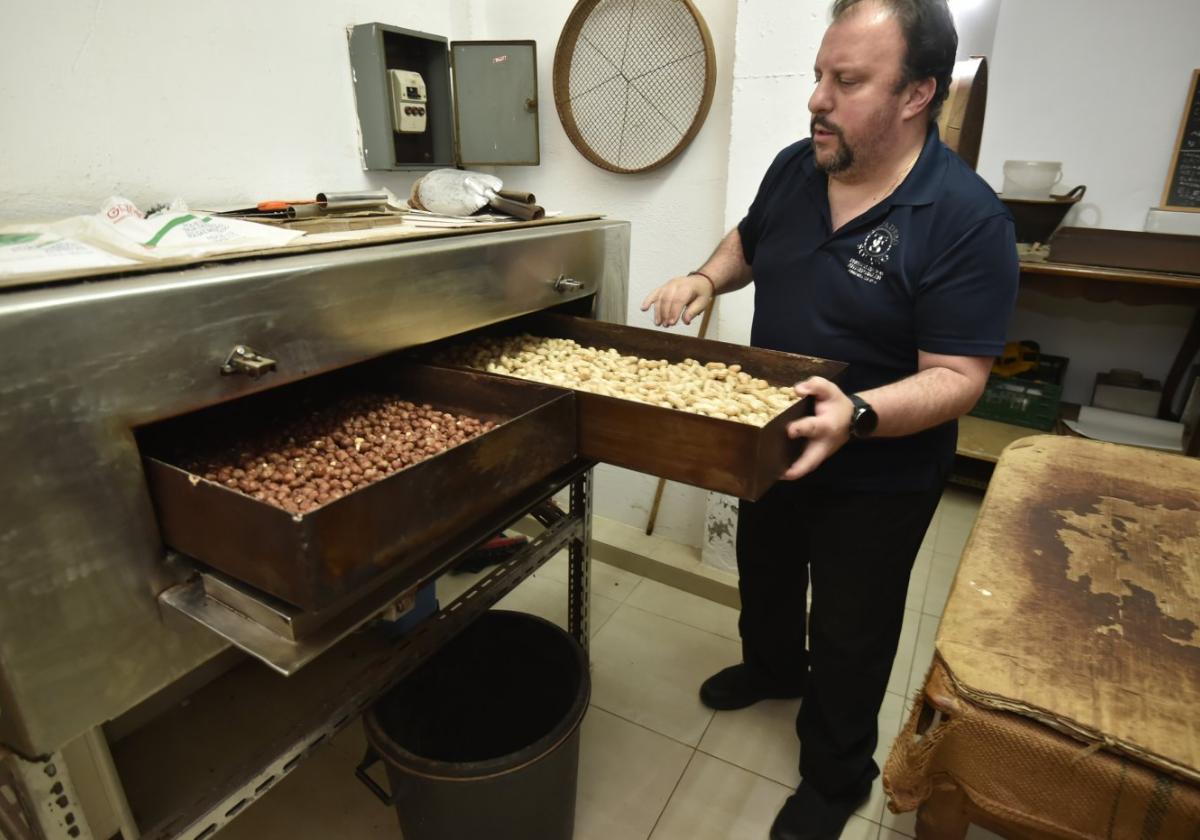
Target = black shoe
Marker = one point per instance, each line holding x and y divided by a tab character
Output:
732	689
808	815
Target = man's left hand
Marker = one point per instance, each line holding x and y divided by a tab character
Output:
827	429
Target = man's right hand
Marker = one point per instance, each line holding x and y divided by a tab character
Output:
683	297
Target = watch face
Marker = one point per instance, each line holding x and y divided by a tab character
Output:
864	419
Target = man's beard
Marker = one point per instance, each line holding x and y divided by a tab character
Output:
843	158
876	134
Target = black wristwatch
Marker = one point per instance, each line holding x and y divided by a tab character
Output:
863	418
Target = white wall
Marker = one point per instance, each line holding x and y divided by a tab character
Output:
976	22
677	214
1098	85
1098	337
231	100
217	102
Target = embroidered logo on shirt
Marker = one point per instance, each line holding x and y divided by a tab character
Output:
879	244
874	250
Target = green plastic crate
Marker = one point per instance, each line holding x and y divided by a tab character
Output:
1030	399
1020	402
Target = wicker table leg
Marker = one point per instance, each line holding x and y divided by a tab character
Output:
943	816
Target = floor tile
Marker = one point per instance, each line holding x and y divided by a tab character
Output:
608	581
452	584
942	568
956	516
626	776
899	825
717	801
952	538
891	720
957	500
860	829
557	568
701	613
544	593
923	653
761	739
548	599
633	540
904	826
918	579
648	669
930	538
902	664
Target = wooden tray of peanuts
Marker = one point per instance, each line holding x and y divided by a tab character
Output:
705	413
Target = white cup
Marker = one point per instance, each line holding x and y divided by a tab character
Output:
1030	178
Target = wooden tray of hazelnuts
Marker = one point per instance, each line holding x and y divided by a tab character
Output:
312	490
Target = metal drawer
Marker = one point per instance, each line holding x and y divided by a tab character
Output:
315	559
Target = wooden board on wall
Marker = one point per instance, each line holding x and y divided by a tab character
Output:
1182	191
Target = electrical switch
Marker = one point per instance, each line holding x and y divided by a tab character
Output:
409	102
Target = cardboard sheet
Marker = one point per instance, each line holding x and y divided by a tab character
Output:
1123	427
1077	600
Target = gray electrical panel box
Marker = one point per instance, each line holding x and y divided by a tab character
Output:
424	102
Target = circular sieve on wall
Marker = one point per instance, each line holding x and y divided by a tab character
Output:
633	80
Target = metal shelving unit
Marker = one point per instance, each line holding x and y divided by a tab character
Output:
280	721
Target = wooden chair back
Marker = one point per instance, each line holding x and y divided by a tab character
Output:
961	120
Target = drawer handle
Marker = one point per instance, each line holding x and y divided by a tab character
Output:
247	360
567	284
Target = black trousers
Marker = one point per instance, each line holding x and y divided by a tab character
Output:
857	549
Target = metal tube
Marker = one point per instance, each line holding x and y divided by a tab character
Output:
351	200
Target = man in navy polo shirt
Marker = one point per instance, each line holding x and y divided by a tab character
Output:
873	244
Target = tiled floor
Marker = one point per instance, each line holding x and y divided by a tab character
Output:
655	763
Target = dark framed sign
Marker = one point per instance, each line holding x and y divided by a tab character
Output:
1182	191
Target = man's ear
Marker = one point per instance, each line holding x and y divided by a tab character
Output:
920	94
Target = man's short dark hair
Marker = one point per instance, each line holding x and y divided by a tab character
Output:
930	38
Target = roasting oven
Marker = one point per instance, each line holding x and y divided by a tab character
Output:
123	573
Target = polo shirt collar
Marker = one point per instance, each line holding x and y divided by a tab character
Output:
924	182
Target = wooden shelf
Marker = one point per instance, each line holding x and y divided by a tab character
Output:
1104	274
981	441
984	440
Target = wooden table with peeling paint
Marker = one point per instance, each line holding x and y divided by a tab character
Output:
1075	612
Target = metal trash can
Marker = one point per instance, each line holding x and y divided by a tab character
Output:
483	739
